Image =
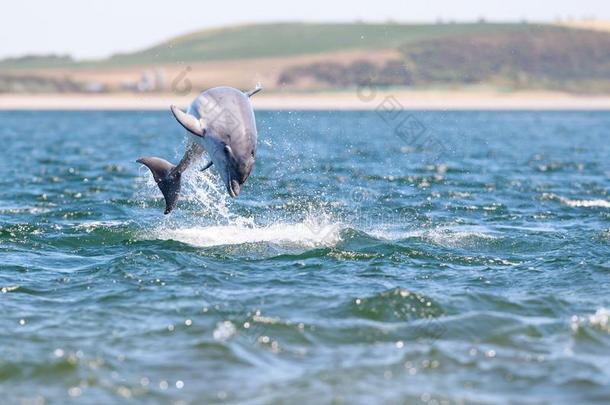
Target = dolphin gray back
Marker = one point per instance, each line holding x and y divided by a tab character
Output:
227	114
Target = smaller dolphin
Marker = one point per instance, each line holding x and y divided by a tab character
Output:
222	123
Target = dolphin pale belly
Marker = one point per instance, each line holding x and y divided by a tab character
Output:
220	121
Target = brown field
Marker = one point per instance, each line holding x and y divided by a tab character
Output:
201	75
479	99
587	25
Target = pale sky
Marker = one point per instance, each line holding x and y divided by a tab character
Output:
98	28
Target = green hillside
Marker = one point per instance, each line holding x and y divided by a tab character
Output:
280	40
290	39
503	55
37	62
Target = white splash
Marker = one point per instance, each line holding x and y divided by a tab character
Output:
203	189
299	234
206	190
600	318
224	330
213	224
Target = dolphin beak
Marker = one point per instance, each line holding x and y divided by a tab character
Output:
233	188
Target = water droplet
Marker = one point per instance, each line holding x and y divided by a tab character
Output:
74	391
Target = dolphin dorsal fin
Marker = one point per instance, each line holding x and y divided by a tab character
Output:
189	122
254	90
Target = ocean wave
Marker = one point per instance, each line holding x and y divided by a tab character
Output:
444	236
586	203
309	233
20	231
89	226
12	210
395	305
596	203
8	288
600	320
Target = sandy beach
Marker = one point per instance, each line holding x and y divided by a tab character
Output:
354	100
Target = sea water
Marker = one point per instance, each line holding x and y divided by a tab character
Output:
424	258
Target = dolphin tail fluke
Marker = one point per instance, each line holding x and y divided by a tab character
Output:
167	179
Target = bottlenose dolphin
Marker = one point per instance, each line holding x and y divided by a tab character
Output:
221	121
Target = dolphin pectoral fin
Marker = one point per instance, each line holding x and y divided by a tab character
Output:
207	166
190	123
254	90
166	178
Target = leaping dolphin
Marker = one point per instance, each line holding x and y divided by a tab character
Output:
223	124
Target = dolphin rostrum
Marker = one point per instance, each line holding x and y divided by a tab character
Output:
222	122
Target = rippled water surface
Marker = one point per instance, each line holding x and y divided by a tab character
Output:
463	259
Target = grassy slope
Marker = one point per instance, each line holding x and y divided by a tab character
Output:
279	40
291	39
37	62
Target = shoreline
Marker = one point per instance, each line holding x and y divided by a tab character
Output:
387	100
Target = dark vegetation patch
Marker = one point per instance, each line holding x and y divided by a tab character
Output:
556	59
